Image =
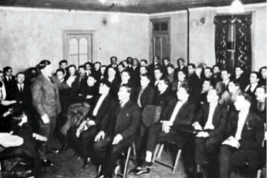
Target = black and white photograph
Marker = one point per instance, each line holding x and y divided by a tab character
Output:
133	88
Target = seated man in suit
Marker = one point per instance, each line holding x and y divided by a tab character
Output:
253	84
162	93
261	102
178	114
210	123
119	133
82	138
243	147
145	94
222	86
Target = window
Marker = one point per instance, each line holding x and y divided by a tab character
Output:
160	27
78	48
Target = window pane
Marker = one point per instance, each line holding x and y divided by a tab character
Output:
73	46
164	26
73	59
83	58
156	27
83	44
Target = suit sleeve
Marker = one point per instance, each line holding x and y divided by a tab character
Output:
221	124
256	142
190	114
37	94
199	115
133	126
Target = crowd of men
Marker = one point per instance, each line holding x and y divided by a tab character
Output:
216	116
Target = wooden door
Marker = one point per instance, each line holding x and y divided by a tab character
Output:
161	45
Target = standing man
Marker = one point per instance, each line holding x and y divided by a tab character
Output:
45	93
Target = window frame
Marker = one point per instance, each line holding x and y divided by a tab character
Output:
67	33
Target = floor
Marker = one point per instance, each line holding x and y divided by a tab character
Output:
68	166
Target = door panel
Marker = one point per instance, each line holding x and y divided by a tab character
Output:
161	45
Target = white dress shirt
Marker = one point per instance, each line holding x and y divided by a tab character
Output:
176	110
209	124
98	104
242	116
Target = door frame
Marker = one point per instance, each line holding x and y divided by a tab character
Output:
153	20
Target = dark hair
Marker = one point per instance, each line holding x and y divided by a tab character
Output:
105	82
216	66
166	59
166	81
43	64
103	66
212	82
121	64
22	73
263	87
226	71
82	67
208	69
60	70
114	58
63	61
246	96
256	73
126	71
185	86
97	62
239	67
145	61
128	88
91	75
5	69
146	76
191	64
158	68
170	65
72	65
180	59
264	67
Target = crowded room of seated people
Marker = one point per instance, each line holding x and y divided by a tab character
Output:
129	109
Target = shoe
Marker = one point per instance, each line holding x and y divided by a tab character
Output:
86	163
47	163
139	171
116	170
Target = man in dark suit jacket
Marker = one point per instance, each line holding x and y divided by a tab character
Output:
22	92
194	82
119	134
222	86
261	102
45	94
9	80
243	147
210	123
144	95
82	138
178	114
163	94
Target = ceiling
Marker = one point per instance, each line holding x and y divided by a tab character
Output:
134	6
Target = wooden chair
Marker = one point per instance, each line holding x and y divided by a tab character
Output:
158	152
